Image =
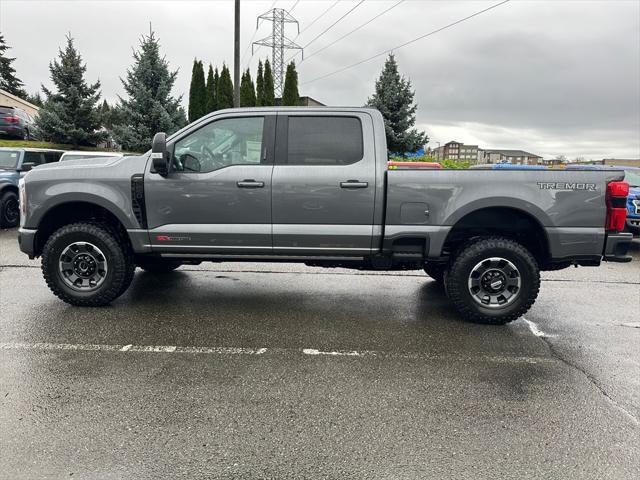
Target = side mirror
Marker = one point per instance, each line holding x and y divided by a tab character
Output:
26	166
159	154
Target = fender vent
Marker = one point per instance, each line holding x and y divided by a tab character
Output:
137	199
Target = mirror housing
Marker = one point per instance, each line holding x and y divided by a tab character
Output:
160	155
27	166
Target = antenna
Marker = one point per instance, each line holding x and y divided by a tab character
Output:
278	43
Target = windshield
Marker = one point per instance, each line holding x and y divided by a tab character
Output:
81	156
632	177
9	159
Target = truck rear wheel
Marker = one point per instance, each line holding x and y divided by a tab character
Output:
493	281
86	265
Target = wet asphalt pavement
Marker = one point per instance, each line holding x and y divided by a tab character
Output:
282	371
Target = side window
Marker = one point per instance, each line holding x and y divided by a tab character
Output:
324	140
33	157
222	143
52	156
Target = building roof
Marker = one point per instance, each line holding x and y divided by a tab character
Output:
512	153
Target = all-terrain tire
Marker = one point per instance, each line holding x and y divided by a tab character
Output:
117	257
9	210
158	266
435	271
457	280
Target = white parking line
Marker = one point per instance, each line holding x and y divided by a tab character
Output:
534	328
173	349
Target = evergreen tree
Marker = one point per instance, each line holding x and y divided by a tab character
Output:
393	96
197	92
260	85
149	108
216	80
247	91
70	113
8	80
224	90
290	95
269	89
211	91
35	99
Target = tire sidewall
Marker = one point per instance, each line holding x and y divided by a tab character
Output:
113	257
528	274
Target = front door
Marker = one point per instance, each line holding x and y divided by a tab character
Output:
324	184
217	197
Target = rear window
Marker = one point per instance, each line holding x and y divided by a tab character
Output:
9	159
324	140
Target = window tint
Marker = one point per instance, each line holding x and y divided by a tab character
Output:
222	143
33	157
324	141
52	156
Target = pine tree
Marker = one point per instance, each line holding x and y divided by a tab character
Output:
260	85
149	108
269	89
393	97
216	80
211	91
35	99
197	92
70	113
224	89
290	95
247	91
8	80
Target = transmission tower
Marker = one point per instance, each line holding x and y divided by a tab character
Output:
278	43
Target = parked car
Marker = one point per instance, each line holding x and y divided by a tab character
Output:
312	185
80	155
14	163
15	123
507	166
399	165
632	176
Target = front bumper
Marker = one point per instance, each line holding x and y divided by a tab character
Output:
633	224
27	241
616	247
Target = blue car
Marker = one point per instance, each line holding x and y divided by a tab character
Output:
632	177
14	163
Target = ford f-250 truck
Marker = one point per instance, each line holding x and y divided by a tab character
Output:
312	185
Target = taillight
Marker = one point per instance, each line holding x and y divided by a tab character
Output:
12	119
616	206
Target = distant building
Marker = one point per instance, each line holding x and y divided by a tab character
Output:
305	102
9	100
457	151
516	157
626	162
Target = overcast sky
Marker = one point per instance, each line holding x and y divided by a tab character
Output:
551	77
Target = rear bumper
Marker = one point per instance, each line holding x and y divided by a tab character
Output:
27	241
616	247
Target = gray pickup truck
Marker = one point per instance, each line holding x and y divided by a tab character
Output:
311	185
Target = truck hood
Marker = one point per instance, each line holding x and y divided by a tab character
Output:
83	162
6	174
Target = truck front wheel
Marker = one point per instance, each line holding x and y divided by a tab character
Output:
493	281
86	265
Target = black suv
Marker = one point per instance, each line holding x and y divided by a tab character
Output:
16	123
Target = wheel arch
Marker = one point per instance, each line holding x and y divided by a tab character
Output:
507	221
76	211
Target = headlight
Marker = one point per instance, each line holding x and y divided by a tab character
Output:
22	193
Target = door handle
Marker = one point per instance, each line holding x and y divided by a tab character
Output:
354	184
249	183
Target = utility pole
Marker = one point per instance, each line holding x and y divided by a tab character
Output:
278	43
236	58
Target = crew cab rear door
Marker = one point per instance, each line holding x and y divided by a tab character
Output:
323	185
217	197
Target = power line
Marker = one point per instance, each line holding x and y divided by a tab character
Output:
294	6
317	18
352	31
328	28
254	36
398	47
